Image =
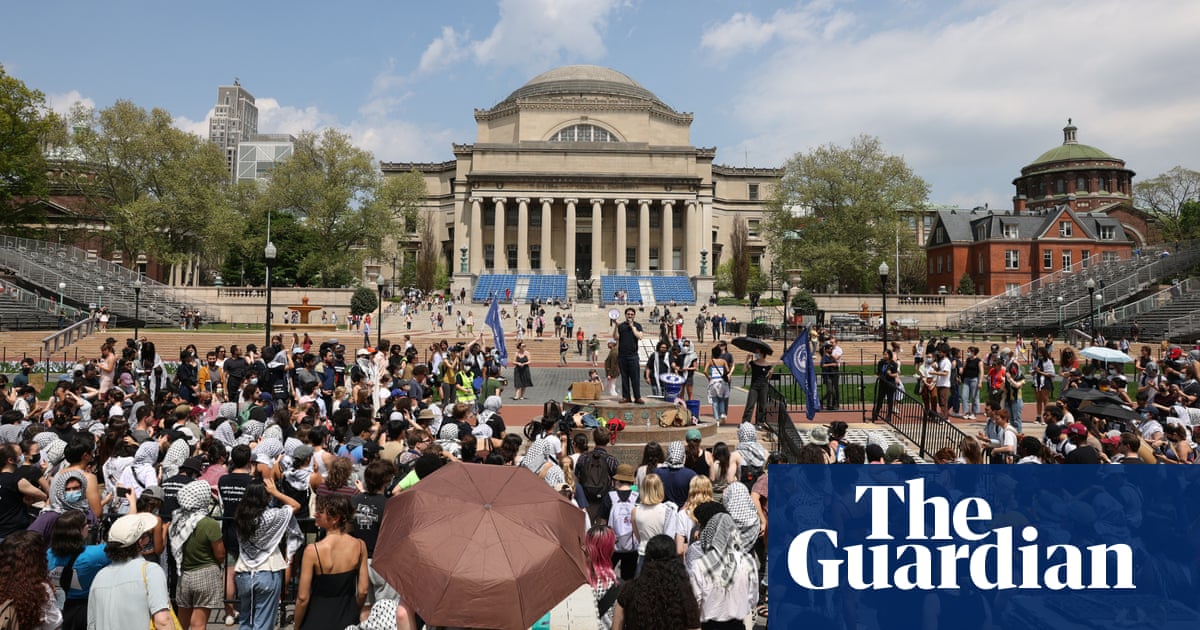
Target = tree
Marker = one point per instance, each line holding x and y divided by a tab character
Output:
723	279
966	286
162	191
1189	219
1165	195
336	192
843	202
429	254
363	301
26	126
804	302
739	258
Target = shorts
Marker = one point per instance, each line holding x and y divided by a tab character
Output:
201	588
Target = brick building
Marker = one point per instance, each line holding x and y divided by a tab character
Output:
1073	206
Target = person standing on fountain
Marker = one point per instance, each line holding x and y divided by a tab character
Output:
628	334
760	382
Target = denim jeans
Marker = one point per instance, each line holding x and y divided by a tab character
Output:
970	396
1014	413
720	407
258	599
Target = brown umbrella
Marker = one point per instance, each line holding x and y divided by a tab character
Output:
479	546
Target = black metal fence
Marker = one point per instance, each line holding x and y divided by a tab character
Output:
845	391
909	417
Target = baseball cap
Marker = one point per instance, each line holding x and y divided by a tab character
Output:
893	452
1077	429
193	463
266	396
128	529
302	453
154	492
361	352
693	434
397	392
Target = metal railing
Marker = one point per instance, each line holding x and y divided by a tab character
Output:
67	336
1149	303
845	391
1179	327
36	302
909	417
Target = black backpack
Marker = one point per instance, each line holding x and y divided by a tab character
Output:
595	477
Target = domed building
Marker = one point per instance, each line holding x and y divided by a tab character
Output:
582	180
1073	205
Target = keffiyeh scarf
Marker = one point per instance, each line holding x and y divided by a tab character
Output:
176	454
58	493
675	454
226	434
752	452
267	451
737	502
723	551
194	499
536	456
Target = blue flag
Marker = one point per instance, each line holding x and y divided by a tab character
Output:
798	359
493	321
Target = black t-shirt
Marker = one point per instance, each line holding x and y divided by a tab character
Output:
231	487
13	515
368	515
170	488
970	368
1084	454
627	341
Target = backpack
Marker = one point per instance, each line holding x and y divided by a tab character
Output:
749	474
620	519
594	476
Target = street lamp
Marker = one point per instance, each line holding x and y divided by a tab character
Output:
393	275
269	252
1061	332
883	276
1091	287
137	307
379	321
100	297
786	287
61	287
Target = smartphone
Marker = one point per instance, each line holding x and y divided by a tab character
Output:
122	492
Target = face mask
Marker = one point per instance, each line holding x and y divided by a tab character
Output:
254	381
73	496
21	460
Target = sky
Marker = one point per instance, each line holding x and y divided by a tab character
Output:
967	91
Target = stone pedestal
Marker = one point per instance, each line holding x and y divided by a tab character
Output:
630	442
462	281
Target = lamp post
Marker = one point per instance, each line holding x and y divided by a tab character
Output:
393	275
1091	287
1061	332
379	320
883	276
462	260
269	253
100	297
137	307
704	262
786	288
61	287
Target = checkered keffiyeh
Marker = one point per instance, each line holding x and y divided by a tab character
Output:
194	501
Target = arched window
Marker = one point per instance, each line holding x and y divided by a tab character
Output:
1060	186
583	133
1081	184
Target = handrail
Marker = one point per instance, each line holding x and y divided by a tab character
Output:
65	337
922	427
39	303
1150	303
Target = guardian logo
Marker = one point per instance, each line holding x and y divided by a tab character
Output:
910	562
960	547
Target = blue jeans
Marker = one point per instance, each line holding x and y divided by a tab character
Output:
258	599
970	396
720	407
1014	413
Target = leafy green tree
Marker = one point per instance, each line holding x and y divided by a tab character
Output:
1189	219
966	286
363	301
843	202
804	302
26	126
1165	195
429	254
334	189
163	191
723	279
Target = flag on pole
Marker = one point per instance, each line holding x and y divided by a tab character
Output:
798	358
493	321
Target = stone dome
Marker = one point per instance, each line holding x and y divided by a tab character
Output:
1070	149
582	80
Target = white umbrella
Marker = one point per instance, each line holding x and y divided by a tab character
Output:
1108	355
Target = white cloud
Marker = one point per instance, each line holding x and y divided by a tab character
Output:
988	88
742	31
195	127
276	118
62	103
446	50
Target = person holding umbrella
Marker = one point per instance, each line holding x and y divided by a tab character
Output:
760	367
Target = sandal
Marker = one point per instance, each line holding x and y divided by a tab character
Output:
760	611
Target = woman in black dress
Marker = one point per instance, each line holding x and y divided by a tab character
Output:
521	377
333	575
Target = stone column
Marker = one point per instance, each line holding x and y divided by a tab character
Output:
643	235
597	243
621	236
500	257
691	230
547	240
666	257
475	237
570	239
523	234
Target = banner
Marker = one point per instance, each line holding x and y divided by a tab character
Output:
798	359
493	321
961	547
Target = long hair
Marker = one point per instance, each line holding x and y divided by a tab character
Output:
250	509
23	556
661	597
339	473
721	457
66	538
700	490
651	490
971	451
652	456
600	542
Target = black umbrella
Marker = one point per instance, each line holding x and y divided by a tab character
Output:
1078	394
752	344
1110	410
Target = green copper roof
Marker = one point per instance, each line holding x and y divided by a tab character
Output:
1072	151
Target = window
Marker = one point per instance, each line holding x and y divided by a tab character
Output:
583	133
1047	259
512	256
1110	257
979	262
677	218
1060	186
752	227
753	191
535	256
939	264
927	221
631	258
939	235
981	232
511	215
1041	189
489	216
1107	232
1010	231
1064	229
911	222
1012	288
1085	257
1012	259
1081	185
654	259
655	217
1066	260
489	256
535	217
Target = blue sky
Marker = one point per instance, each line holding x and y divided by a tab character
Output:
968	91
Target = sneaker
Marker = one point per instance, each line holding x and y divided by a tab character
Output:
231	619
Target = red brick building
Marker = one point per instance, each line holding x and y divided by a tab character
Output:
1073	207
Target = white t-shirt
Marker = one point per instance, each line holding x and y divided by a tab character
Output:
943	380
